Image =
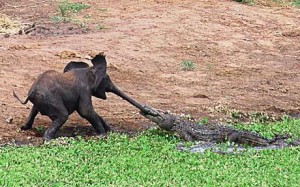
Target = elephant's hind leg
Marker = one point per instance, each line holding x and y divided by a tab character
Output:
58	115
28	124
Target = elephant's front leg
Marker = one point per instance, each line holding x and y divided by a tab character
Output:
105	125
87	111
30	119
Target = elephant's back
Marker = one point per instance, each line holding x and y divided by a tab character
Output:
46	80
49	84
53	79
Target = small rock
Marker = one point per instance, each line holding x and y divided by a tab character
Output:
9	120
88	57
201	96
6	35
67	54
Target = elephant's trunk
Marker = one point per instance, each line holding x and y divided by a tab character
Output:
114	89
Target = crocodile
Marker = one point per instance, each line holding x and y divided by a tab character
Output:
191	131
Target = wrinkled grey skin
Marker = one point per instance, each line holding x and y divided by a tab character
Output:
57	95
106	85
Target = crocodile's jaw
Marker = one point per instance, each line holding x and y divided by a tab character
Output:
152	114
156	119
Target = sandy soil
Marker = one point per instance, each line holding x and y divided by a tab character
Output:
247	59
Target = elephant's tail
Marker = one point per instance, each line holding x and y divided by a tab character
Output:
17	97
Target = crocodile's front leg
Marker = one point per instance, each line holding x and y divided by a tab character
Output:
183	133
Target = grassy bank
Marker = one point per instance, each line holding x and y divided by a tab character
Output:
149	159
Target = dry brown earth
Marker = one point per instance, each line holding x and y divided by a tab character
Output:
247	58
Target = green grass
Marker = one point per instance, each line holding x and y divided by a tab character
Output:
187	65
286	126
296	3
149	159
66	9
60	19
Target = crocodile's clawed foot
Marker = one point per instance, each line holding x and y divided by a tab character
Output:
187	135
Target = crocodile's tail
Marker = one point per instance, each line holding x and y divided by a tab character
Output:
17	97
295	143
279	140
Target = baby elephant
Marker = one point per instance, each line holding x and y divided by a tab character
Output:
57	95
106	85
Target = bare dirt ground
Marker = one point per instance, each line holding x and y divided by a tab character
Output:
247	59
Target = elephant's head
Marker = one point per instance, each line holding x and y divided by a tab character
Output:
98	68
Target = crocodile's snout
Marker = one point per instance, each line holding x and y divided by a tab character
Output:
149	111
155	117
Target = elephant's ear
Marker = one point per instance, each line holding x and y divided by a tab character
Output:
99	69
99	60
75	65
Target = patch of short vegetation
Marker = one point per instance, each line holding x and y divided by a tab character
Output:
102	9
296	3
203	121
39	130
60	19
67	9
187	65
100	26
